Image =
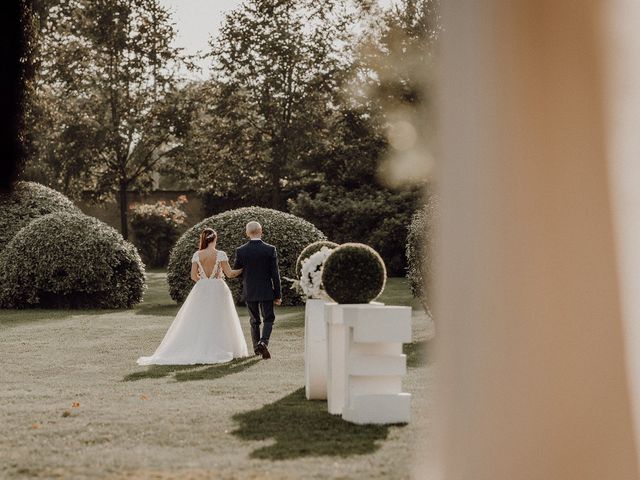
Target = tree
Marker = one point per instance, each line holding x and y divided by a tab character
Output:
107	69
349	206
278	65
17	38
394	73
221	151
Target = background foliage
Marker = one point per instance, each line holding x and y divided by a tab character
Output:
366	215
307	107
156	227
102	116
419	250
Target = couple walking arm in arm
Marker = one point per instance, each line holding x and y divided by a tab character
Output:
207	329
261	286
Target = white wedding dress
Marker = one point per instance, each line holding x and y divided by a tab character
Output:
207	328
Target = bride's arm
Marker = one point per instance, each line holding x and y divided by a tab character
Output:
226	268
195	274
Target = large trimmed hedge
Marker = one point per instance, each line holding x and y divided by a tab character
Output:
288	233
419	251
28	201
70	260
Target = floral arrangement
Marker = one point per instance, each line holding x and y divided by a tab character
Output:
311	276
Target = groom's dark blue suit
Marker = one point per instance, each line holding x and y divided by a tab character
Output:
260	285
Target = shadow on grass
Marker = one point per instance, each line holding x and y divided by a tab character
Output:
213	372
184	373
157	371
303	428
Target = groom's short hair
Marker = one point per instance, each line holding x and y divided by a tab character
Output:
253	227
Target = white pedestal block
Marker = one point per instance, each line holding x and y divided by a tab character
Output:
375	364
336	352
315	350
380	409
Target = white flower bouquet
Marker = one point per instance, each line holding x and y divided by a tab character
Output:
311	277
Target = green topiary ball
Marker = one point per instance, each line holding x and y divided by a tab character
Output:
310	250
70	260
354	273
28	201
288	233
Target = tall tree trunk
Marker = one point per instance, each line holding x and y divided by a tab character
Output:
276	162
124	205
275	189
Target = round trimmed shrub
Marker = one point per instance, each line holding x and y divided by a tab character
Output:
310	250
419	251
70	260
28	201
288	233
354	273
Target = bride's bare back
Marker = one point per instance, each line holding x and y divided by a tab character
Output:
209	261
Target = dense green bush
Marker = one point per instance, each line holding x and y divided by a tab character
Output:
288	233
354	273
369	215
419	250
70	260
27	201
310	250
156	227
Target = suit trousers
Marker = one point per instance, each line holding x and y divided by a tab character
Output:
257	310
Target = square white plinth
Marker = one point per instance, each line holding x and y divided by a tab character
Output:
376	364
334	315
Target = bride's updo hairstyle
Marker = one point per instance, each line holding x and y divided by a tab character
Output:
207	236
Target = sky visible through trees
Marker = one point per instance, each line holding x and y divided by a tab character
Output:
198	21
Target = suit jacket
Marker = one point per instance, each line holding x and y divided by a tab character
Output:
260	277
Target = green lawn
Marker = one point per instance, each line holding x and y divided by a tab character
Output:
74	404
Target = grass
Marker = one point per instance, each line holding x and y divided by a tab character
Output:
74	404
416	353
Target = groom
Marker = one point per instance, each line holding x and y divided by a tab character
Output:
260	285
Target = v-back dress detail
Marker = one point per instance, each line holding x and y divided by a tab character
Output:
206	329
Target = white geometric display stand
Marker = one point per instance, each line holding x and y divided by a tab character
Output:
336	348
315	350
376	364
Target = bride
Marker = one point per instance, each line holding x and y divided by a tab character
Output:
207	328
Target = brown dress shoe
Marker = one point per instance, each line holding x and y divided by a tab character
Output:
262	349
